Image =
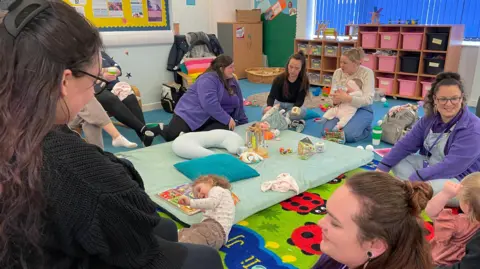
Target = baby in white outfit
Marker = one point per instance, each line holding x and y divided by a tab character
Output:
344	112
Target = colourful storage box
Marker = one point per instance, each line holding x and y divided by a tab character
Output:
412	41
370	61
303	47
314	78
327	79
386	63
346	48
407	87
389	40
316	50
369	39
316	63
331	51
386	84
426	86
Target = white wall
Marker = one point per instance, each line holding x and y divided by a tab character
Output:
145	54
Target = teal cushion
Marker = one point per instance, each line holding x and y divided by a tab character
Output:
224	165
311	114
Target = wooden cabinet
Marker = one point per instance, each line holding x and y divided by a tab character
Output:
243	42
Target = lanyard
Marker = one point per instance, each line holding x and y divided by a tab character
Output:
429	151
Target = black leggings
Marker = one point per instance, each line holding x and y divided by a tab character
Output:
198	256
127	111
178	125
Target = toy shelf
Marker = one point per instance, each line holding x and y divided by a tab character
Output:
323	58
426	62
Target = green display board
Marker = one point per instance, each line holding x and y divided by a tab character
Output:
278	38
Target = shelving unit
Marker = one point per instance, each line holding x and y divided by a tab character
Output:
318	50
451	54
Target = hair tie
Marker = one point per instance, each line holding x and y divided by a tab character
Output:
17	10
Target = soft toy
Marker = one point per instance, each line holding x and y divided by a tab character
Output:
275	118
250	157
296	111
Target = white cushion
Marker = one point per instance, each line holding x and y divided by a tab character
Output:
196	144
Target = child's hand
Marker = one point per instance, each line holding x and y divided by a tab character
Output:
451	189
184	200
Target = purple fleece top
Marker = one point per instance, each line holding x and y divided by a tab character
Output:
205	100
462	151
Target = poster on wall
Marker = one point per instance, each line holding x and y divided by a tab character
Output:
240	32
272	8
124	15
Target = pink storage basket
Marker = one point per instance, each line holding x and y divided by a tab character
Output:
369	39
386	63
386	84
407	87
412	41
426	86
389	40
370	61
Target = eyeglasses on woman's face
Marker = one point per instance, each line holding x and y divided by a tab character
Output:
99	85
444	100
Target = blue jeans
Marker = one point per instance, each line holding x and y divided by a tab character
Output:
358	128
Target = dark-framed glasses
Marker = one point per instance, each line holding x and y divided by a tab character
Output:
444	100
99	85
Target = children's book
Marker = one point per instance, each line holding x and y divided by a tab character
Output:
172	195
382	152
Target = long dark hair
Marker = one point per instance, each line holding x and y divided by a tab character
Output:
305	83
390	212
442	79
217	66
31	72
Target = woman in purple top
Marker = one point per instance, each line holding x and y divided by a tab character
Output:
214	101
373	222
447	138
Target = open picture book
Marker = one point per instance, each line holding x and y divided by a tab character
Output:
172	195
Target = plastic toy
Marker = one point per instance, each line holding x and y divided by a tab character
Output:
369	148
320	147
284	151
250	157
112	70
296	111
267	135
385	104
337	137
306	148
375	18
383	100
360	147
317	91
255	141
324	107
326	91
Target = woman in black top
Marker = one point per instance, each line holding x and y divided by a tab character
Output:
290	89
65	203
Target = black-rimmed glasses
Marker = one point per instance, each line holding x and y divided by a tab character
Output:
100	84
444	100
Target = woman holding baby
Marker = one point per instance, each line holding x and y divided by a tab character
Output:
353	88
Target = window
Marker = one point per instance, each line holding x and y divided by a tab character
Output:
338	13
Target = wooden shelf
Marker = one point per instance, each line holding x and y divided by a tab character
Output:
451	55
329	63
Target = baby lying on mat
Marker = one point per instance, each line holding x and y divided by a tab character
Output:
214	196
344	112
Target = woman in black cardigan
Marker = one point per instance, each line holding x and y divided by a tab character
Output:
65	203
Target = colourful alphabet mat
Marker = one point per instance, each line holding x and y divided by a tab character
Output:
286	235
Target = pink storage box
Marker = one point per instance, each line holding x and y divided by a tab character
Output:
386	63
426	86
389	40
369	39
407	87
386	84
412	41
370	61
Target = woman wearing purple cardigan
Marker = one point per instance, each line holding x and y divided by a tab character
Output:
214	101
447	139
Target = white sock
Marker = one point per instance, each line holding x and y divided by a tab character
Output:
121	141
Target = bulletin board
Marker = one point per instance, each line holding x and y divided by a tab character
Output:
124	15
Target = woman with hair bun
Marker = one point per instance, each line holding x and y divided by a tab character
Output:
447	138
373	222
360	125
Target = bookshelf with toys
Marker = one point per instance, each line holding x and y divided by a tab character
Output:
323	57
407	57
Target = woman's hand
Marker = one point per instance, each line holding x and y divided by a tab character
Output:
184	200
231	124
266	109
341	96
